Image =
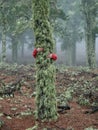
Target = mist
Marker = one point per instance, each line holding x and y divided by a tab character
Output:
27	39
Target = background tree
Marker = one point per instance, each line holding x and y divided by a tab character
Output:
71	29
45	86
3	23
17	19
21	12
89	10
65	17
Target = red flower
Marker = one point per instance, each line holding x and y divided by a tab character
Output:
34	53
53	56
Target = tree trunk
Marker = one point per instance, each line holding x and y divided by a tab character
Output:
90	41
22	50
14	49
90	18
45	82
3	55
74	54
69	56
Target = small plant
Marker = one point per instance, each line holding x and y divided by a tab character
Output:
90	128
1	123
33	128
83	101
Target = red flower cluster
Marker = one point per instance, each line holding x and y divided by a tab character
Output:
52	56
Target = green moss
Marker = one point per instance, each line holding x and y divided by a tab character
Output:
45	81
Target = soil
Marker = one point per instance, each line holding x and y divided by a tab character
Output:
17	112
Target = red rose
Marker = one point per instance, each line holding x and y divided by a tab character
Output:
34	53
53	56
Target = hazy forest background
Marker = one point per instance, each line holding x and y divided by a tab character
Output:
69	20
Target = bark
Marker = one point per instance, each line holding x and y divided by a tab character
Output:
45	82
74	54
71	55
22	50
90	18
14	49
3	55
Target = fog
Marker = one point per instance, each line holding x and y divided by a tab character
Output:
28	41
80	53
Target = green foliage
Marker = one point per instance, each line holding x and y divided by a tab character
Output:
18	14
45	87
33	128
84	90
83	101
90	128
73	26
1	123
15	17
46	92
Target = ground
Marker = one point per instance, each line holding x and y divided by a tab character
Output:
17	110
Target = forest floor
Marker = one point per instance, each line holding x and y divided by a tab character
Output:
17	110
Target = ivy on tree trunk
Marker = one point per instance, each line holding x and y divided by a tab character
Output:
89	10
45	73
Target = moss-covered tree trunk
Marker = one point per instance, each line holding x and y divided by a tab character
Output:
90	18
45	86
90	42
3	55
